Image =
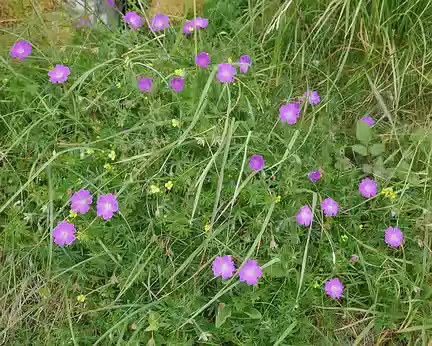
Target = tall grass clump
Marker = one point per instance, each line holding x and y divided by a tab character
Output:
275	190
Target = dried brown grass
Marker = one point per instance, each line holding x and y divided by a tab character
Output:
176	8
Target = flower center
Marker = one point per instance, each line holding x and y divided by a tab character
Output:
21	51
394	238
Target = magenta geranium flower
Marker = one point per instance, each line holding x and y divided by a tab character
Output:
334	288
201	23
290	113
203	60
245	63
21	50
81	202
226	73
304	217
314	176
160	22
394	237
177	84
110	3
224	267
146	84
312	97
251	272
84	22
59	74
64	233
134	20
257	163
106	206
368	121
189	27
368	188
330	207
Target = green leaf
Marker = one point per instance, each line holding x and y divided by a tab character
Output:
368	169
154	319
276	271
253	313
363	132
222	316
360	149
377	149
343	164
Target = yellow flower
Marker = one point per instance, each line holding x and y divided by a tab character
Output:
169	185
230	60
175	123
108	167
72	214
361	227
388	192
316	284
179	72
112	155
207	227
344	238
118	85
150	64
81	298
278	199
89	151
154	189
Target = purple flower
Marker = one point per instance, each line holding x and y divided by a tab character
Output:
201	23
134	20
315	176
224	267
81	201
226	73
21	50
203	60
59	74
106	206
394	237
334	288
257	163
290	113
368	121
245	62
304	217
312	97
160	22
368	188
251	272
178	84
111	3
189	27
64	233
330	207
146	84
84	22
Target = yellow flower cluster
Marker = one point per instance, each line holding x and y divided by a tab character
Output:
389	193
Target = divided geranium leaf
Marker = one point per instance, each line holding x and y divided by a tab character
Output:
360	149
363	132
252	313
223	314
376	149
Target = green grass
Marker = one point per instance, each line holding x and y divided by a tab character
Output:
146	274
